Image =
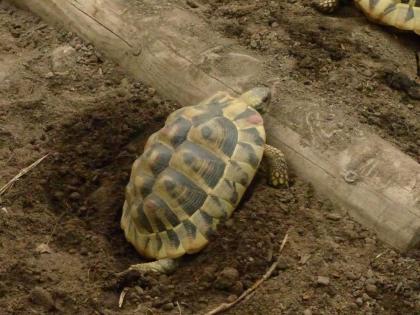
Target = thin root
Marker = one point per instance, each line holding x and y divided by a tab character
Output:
179	308
20	174
248	293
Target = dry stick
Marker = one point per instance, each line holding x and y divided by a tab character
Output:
248	293
20	174
179	308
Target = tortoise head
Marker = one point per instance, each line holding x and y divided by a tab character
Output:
258	98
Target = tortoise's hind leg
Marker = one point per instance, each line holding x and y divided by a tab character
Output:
165	266
276	167
327	6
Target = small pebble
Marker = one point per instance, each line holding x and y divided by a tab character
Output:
306	296
321	280
365	297
168	306
227	278
333	216
359	301
307	312
237	288
63	58
231	298
352	305
139	290
75	196
43	248
283	263
132	148
49	75
371	281
151	91
371	290
209	274
351	275
41	297
192	4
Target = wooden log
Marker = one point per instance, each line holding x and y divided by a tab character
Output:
175	51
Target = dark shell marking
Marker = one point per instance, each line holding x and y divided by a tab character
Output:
178	130
202	162
158	157
402	14
191	175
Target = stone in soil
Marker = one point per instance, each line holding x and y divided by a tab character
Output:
371	290
323	281
42	297
63	59
226	278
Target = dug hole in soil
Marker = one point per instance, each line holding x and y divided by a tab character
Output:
60	240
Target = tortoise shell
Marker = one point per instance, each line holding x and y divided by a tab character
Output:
401	14
192	174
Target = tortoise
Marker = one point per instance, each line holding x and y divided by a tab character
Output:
193	173
401	14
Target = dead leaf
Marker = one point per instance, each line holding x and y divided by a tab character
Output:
304	259
43	248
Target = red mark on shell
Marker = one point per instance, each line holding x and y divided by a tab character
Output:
166	130
169	130
150	204
255	119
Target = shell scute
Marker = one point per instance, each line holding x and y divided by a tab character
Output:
219	135
187	194
176	132
202	166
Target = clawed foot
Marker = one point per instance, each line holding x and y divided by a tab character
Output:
165	266
277	173
278	179
136	273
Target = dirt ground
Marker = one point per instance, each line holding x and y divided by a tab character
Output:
60	241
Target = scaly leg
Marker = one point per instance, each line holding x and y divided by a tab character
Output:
165	266
327	6
277	174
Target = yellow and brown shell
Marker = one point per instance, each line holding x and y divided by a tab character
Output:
401	14
192	174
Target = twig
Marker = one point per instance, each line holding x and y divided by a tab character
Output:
248	293
20	174
122	296
379	255
179	308
50	236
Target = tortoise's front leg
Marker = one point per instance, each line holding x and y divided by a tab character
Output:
277	174
165	266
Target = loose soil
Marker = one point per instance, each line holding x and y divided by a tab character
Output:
60	241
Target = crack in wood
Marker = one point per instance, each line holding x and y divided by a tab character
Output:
197	67
103	25
137	49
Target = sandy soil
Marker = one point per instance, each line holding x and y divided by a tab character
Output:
60	241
